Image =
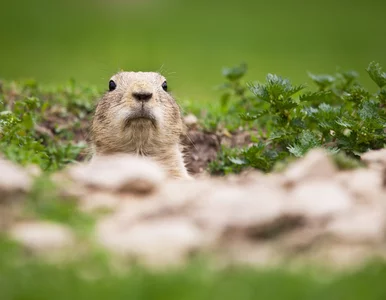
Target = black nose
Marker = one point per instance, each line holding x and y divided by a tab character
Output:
142	96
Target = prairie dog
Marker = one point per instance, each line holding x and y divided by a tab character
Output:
137	115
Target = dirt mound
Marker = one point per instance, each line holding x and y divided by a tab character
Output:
200	149
311	212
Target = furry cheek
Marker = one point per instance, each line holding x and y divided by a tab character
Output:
121	114
158	114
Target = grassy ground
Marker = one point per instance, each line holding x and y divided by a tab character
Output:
91	279
49	125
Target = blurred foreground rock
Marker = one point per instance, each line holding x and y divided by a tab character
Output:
14	180
309	213
15	183
42	237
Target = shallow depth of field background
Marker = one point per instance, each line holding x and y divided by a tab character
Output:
189	41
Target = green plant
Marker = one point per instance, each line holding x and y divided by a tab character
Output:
32	130
341	116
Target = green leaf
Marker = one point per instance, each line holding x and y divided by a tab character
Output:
368	110
28	121
320	96
350	76
249	117
306	141
376	74
235	73
276	90
344	122
296	150
356	94
225	99
237	161
322	81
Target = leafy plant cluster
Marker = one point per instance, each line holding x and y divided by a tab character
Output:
341	116
32	130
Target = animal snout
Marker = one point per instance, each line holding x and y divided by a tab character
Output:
142	96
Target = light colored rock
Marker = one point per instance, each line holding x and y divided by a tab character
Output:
318	199
360	225
238	208
375	159
155	243
365	184
251	218
190	120
341	256
245	253
177	194
315	165
13	178
99	201
301	237
119	172
42	237
34	170
133	210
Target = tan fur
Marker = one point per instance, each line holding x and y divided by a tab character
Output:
150	128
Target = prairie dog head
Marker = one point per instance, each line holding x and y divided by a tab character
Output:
136	114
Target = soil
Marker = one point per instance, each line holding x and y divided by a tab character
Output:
200	149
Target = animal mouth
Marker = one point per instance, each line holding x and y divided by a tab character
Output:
141	116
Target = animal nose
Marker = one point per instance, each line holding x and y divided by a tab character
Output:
142	96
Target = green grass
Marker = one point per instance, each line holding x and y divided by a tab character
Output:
28	278
191	41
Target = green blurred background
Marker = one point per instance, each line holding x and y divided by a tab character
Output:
189	41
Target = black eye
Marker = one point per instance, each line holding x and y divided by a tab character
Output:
112	85
165	86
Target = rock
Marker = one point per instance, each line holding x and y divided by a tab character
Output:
42	237
232	208
301	238
34	170
156	243
360	225
341	256
190	120
315	165
375	159
318	199
10	212
364	184
13	179
262	255
176	194
119	173
133	210
99	201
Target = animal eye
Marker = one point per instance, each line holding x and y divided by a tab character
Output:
165	86
112	85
